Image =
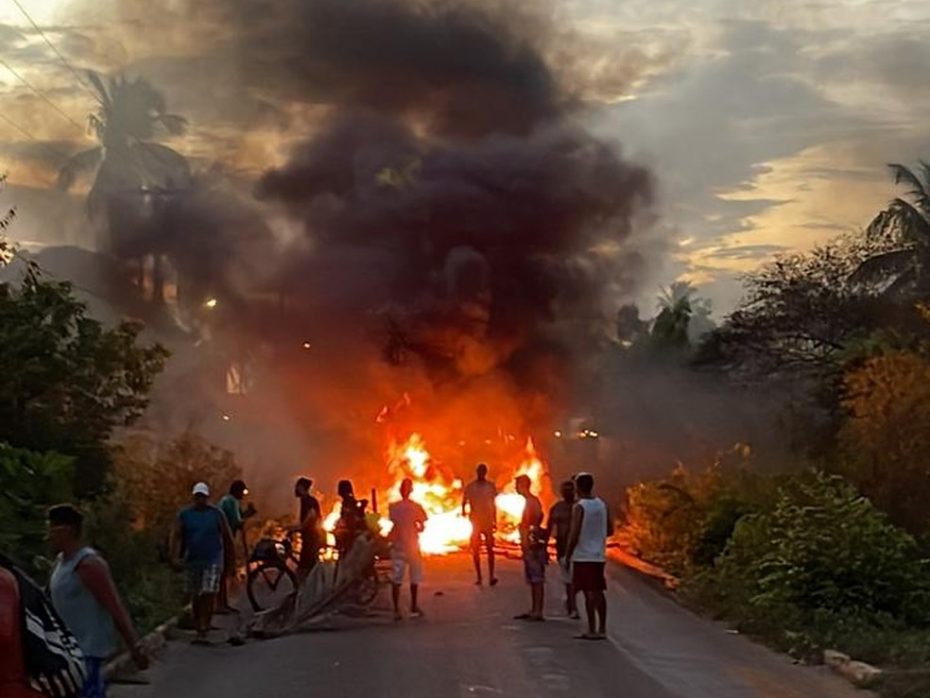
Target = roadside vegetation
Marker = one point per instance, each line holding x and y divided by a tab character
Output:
829	549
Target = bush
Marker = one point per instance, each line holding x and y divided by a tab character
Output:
30	482
823	548
152	590
685	520
130	525
153	478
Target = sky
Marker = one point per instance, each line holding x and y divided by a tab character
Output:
767	124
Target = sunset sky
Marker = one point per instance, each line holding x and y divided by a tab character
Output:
767	124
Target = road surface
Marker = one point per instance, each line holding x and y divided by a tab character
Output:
468	645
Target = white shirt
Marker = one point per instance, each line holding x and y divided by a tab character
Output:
592	542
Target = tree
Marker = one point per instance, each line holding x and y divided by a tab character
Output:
801	315
670	328
66	381
29	483
131	171
886	435
903	268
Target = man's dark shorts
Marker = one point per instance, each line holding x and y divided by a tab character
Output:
589	576
535	560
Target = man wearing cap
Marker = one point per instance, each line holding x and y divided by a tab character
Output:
203	541
231	506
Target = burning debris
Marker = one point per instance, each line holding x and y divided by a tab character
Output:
440	493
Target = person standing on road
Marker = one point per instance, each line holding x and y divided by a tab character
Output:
409	519
559	527
351	523
310	527
533	547
203	541
231	506
84	595
479	504
587	550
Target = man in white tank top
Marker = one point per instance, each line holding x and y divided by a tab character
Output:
587	550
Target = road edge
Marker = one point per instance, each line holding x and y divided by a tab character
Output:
155	640
859	674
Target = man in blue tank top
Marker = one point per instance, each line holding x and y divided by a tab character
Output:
84	595
203	540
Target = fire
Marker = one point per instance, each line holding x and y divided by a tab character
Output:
440	493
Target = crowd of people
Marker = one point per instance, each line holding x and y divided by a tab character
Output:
579	524
83	607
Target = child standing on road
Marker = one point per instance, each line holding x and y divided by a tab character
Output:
409	519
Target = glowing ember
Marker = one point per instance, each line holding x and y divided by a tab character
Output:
440	493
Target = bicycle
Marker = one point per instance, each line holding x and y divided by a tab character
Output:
273	562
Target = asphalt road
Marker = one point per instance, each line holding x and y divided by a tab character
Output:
468	645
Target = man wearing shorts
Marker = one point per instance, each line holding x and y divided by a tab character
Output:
479	505
587	550
409	519
533	547
559	526
203	540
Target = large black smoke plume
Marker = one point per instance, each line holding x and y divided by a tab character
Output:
450	206
449	154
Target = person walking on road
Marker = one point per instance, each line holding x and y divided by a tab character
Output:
409	519
84	595
559	527
533	547
203	541
479	504
310	527
587	550
231	506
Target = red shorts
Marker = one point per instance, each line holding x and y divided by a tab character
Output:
589	576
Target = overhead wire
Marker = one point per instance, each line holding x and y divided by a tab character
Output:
41	95
12	124
58	53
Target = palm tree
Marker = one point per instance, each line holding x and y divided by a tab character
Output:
670	329
904	227
128	165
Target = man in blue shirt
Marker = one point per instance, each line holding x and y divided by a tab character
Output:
203	541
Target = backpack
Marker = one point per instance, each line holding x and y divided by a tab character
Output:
54	662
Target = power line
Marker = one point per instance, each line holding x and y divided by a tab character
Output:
27	134
42	96
58	53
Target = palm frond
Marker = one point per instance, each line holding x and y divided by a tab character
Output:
102	93
78	164
882	267
901	219
919	191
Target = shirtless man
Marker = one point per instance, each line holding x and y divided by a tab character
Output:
479	505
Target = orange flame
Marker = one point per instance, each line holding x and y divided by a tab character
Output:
440	494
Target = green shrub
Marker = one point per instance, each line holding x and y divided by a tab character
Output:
684	521
151	589
825	549
30	482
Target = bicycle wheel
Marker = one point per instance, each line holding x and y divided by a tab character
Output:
268	584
